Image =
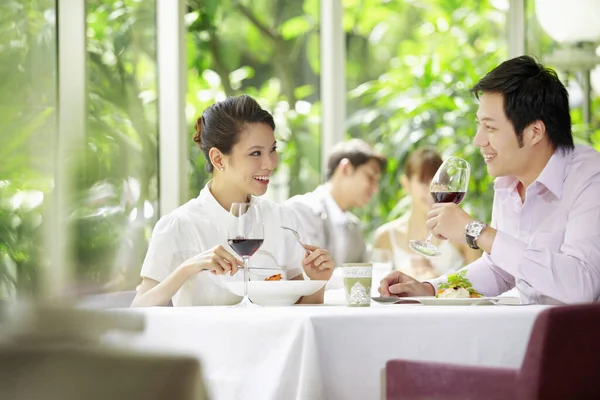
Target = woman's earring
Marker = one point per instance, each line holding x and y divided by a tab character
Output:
221	169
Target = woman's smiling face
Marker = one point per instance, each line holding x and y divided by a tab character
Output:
252	159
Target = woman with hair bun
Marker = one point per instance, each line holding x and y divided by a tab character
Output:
188	258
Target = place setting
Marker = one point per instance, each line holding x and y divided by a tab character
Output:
457	291
262	285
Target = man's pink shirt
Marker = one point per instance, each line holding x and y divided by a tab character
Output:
548	246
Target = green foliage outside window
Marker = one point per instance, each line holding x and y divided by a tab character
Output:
409	67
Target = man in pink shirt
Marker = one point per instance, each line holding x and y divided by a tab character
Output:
544	238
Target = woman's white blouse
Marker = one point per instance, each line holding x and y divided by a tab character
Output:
201	224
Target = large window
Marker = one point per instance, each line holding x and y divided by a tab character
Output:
28	133
268	49
409	68
409	65
112	186
117	187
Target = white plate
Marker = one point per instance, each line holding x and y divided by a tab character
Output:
434	301
276	293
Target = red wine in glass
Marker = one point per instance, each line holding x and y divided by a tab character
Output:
449	185
245	247
448	197
245	235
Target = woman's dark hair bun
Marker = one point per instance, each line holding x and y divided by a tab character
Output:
198	129
221	124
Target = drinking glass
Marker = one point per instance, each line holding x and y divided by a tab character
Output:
245	236
449	185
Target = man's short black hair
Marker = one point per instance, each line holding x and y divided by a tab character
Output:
531	92
357	151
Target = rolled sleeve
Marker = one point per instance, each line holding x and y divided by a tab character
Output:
169	246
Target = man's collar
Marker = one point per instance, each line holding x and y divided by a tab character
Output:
505	183
552	176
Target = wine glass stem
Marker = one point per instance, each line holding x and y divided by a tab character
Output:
246	277
429	237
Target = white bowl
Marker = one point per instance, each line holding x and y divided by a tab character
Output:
275	293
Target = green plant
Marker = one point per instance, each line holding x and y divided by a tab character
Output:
420	59
27	130
409	67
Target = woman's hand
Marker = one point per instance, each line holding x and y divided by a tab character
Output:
216	260
317	263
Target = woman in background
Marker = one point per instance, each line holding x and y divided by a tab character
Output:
419	170
188	258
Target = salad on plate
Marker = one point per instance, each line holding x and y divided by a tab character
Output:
457	287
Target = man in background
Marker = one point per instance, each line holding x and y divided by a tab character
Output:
353	173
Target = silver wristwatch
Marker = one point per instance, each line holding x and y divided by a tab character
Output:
473	231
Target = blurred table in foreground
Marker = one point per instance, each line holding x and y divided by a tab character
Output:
329	352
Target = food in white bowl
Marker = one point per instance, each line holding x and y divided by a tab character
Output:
262	274
276	277
275	293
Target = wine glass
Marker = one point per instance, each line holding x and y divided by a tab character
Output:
449	185
245	235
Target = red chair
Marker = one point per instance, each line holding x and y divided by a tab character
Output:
562	361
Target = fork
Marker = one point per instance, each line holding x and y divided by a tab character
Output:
297	236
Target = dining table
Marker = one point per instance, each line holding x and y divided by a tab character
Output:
327	351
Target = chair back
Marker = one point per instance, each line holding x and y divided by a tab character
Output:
562	360
62	372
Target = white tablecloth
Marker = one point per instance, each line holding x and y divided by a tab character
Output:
329	352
